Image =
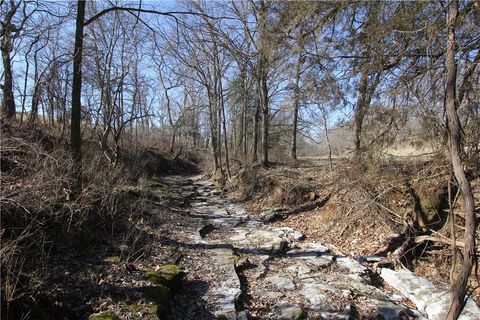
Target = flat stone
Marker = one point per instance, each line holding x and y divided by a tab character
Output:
226	221
224	302
288	311
261	269
281	282
223	296
345	315
300	270
317	294
316	262
361	288
390	310
426	296
253	224
267	240
308	249
354	267
233	209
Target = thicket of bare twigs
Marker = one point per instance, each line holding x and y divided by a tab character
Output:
40	216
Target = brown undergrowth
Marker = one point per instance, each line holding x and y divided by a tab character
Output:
372	209
48	235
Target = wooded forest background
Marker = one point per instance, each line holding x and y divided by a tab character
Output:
244	82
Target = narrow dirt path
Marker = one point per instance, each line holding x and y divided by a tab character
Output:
241	268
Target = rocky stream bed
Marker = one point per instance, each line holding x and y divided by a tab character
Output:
239	267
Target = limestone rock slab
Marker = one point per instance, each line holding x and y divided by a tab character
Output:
426	296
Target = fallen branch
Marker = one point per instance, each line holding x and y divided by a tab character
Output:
445	241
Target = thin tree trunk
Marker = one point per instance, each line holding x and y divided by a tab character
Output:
256	127
221	107
76	134
296	97
218	130
324	116
212	129
35	94
8	105
455	139
265	118
244	116
227	160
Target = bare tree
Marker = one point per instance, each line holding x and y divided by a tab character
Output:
455	142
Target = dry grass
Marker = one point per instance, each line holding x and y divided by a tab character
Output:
42	219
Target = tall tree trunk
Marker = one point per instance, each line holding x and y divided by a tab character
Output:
256	126
365	95
213	125
265	118
296	101
8	104
360	107
227	159
244	117
221	106
262	74
75	131
36	89
455	139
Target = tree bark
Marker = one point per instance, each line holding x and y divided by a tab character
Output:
360	107
265	118
244	116
8	104
296	102
262	75
75	129
327	139
455	139
256	126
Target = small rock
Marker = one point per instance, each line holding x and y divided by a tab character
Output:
312	196
269	216
290	233
206	229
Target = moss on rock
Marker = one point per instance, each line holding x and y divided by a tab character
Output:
168	275
109	315
302	314
161	296
142	311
